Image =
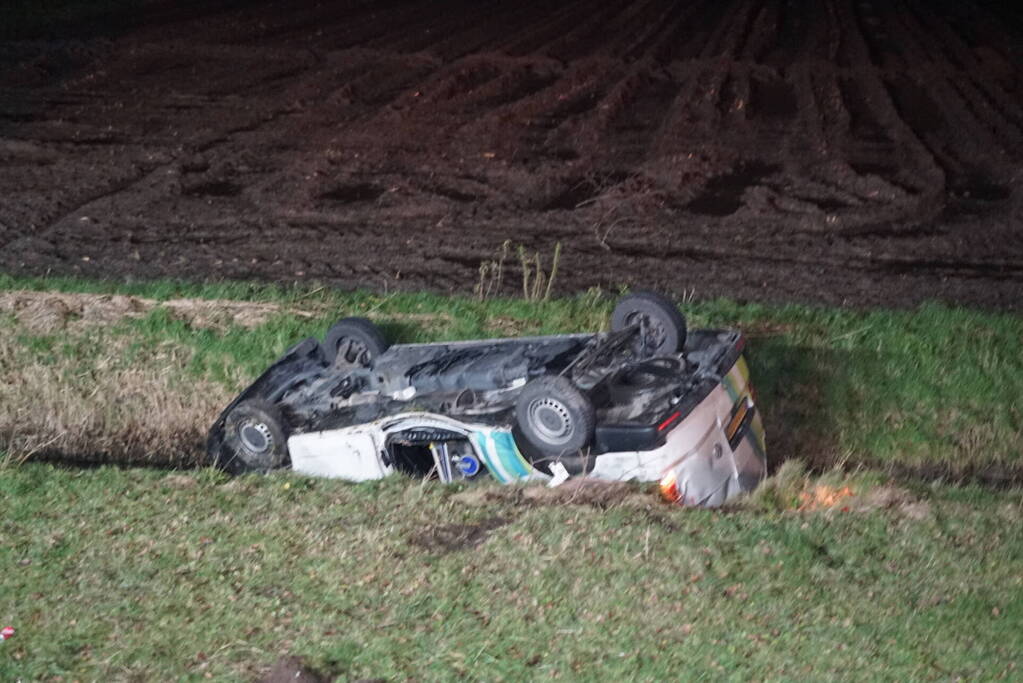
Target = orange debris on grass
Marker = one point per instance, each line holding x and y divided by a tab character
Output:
823	496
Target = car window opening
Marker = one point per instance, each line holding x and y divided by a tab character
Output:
434	454
414	459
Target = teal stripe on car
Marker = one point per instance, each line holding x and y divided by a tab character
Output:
509	454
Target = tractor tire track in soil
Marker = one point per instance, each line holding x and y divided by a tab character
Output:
850	152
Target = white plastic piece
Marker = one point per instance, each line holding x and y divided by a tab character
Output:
560	475
405	394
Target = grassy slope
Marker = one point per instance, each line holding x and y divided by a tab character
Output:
929	390
148	575
139	573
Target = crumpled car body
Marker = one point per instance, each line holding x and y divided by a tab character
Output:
634	403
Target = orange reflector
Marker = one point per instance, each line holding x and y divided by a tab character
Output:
669	488
737	418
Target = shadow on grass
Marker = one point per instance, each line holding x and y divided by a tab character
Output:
790	381
400	332
841	409
190	457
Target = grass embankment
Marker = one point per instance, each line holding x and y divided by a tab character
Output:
136	373
146	574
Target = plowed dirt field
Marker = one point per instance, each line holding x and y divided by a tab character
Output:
856	152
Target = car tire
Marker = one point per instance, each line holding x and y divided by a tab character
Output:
554	417
353	341
254	438
663	324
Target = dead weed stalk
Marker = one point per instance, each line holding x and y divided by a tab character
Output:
492	273
537	282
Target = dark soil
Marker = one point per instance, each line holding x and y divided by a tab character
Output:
850	152
453	537
293	670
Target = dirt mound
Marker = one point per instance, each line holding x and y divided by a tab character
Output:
849	152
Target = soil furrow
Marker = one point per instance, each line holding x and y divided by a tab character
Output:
849	151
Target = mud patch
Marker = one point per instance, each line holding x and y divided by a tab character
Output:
453	537
294	670
894	498
579	491
592	492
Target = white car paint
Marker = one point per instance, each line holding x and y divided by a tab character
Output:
695	466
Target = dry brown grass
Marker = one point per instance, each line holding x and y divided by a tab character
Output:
112	405
44	312
115	403
589	492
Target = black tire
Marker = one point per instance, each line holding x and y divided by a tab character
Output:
254	438
663	326
554	417
353	341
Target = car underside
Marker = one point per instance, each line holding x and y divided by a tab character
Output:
564	400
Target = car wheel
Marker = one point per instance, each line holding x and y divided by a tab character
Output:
254	438
353	341
554	417
662	328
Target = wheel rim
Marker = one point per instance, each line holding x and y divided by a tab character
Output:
256	437
551	420
652	331
351	351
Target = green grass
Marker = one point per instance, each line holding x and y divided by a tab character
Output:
929	391
144	574
140	574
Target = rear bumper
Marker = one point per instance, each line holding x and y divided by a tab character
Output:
730	457
709	456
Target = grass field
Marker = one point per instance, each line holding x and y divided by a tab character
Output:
115	573
141	574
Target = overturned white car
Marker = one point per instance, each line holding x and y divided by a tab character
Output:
646	401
